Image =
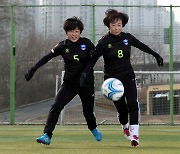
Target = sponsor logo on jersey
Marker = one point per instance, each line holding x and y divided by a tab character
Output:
109	45
83	47
125	42
67	50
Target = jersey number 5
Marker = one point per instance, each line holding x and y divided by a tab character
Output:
120	53
76	58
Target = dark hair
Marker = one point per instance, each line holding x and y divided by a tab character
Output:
73	23
113	15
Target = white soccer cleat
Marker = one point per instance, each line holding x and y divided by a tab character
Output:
127	134
134	141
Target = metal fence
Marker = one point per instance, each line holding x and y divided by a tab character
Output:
30	31
154	97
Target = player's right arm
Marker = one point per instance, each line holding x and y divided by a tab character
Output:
89	66
54	52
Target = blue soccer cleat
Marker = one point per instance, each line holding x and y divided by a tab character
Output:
44	139
97	134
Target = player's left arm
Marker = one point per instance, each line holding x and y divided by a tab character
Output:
89	66
143	47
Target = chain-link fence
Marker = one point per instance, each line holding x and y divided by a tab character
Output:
34	30
153	97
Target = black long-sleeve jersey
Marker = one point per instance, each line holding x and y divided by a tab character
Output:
116	52
75	55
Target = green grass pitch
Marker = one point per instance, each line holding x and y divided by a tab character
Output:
20	139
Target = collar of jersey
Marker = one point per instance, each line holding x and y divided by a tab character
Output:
114	36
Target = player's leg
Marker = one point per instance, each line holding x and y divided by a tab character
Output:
64	96
86	94
122	109
134	110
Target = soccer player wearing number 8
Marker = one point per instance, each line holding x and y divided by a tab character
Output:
115	47
76	52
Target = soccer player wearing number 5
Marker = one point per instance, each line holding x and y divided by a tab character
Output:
115	47
76	52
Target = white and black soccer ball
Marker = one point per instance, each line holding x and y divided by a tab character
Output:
112	89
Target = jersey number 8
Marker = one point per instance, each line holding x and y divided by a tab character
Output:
120	53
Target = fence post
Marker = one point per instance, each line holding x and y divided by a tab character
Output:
12	66
171	68
63	111
93	23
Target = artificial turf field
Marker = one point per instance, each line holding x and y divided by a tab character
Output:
20	139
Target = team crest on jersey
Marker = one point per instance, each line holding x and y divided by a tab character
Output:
109	45
125	42
67	50
83	47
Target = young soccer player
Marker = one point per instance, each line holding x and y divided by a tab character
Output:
76	52
115	47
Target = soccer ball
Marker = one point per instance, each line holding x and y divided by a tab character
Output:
112	89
